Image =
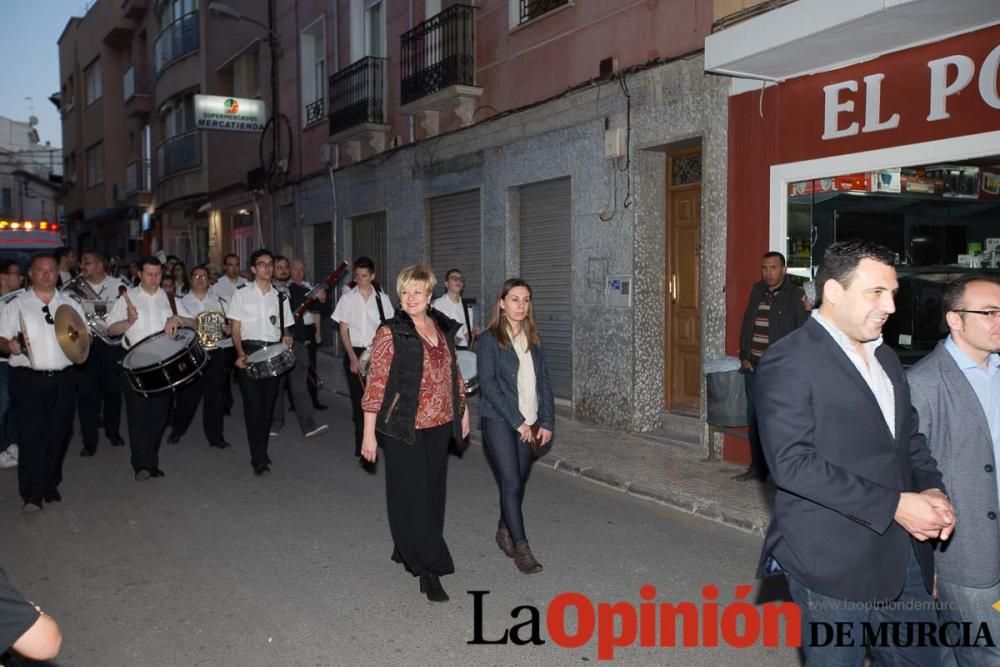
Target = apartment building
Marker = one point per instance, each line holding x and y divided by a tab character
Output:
142	174
30	172
579	145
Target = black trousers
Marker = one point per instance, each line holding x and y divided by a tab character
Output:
258	407
208	385
510	460
312	382
357	391
758	464
44	404
229	358
147	418
99	393
416	478
295	394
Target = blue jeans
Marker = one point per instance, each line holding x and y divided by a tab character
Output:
914	605
974	606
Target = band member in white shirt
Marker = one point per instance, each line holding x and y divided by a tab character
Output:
99	387
142	312
10	287
225	287
42	390
259	315
450	303
209	382
359	313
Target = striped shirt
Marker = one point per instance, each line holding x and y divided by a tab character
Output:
761	336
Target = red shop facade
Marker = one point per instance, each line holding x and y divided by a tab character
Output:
903	149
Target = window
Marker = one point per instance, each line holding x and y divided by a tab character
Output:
175	9
178	117
92	81
68	97
313	46
95	165
6	202
522	11
367	29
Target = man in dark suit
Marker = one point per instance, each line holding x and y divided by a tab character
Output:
956	391
859	494
776	309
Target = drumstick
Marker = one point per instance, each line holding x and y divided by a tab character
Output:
123	292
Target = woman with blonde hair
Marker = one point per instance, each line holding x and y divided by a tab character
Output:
414	403
517	410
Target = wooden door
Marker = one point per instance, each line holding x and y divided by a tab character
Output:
682	367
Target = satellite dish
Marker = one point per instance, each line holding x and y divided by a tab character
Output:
32	121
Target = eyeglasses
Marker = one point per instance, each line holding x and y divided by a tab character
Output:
264	265
48	314
992	315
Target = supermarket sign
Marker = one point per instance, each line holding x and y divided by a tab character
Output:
236	114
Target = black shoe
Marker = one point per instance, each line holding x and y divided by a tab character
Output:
156	472
431	586
116	440
88	451
174	438
367	466
320	406
262	470
53	497
142	475
220	445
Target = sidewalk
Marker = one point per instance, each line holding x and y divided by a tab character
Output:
672	475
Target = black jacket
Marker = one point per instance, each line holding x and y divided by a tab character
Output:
787	314
397	417
296	297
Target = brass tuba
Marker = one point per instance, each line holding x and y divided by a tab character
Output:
211	328
80	290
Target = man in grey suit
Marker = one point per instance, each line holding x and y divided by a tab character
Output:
956	391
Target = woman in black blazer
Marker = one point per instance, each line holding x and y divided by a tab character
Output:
517	410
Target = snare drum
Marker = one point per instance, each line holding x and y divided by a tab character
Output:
467	364
161	362
270	361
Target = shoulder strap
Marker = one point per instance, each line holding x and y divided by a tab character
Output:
281	311
173	302
468	322
378	302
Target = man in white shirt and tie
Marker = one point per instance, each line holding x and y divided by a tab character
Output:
43	392
142	312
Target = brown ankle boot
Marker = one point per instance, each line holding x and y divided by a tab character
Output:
525	560
505	542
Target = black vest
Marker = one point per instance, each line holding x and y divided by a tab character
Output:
398	415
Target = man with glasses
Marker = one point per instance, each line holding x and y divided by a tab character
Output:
10	287
43	393
99	388
956	391
224	288
450	303
142	312
260	316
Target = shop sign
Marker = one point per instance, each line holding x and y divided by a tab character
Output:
236	114
949	76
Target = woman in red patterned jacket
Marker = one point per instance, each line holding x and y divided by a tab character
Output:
414	403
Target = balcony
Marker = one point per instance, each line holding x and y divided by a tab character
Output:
529	10
177	40
138	186
134	9
315	111
439	68
137	89
357	106
177	154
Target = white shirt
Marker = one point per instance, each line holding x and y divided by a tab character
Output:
872	372
455	311
361	316
107	293
41	335
527	397
210	302
225	287
4	300
154	310
65	276
257	313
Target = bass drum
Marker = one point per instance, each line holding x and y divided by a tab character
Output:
161	362
467	364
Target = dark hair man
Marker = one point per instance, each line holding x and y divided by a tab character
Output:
859	494
775	309
956	391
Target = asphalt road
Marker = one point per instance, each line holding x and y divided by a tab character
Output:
213	566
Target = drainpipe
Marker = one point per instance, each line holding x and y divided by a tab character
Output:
413	135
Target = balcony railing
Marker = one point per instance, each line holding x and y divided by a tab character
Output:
438	53
136	81
177	39
138	177
357	94
315	111
178	154
530	9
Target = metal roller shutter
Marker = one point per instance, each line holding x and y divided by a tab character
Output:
547	265
368	239
323	264
455	240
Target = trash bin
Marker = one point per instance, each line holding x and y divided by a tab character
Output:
727	398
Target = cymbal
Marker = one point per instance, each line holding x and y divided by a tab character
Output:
72	334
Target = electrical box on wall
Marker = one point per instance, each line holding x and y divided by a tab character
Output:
619	291
614	143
